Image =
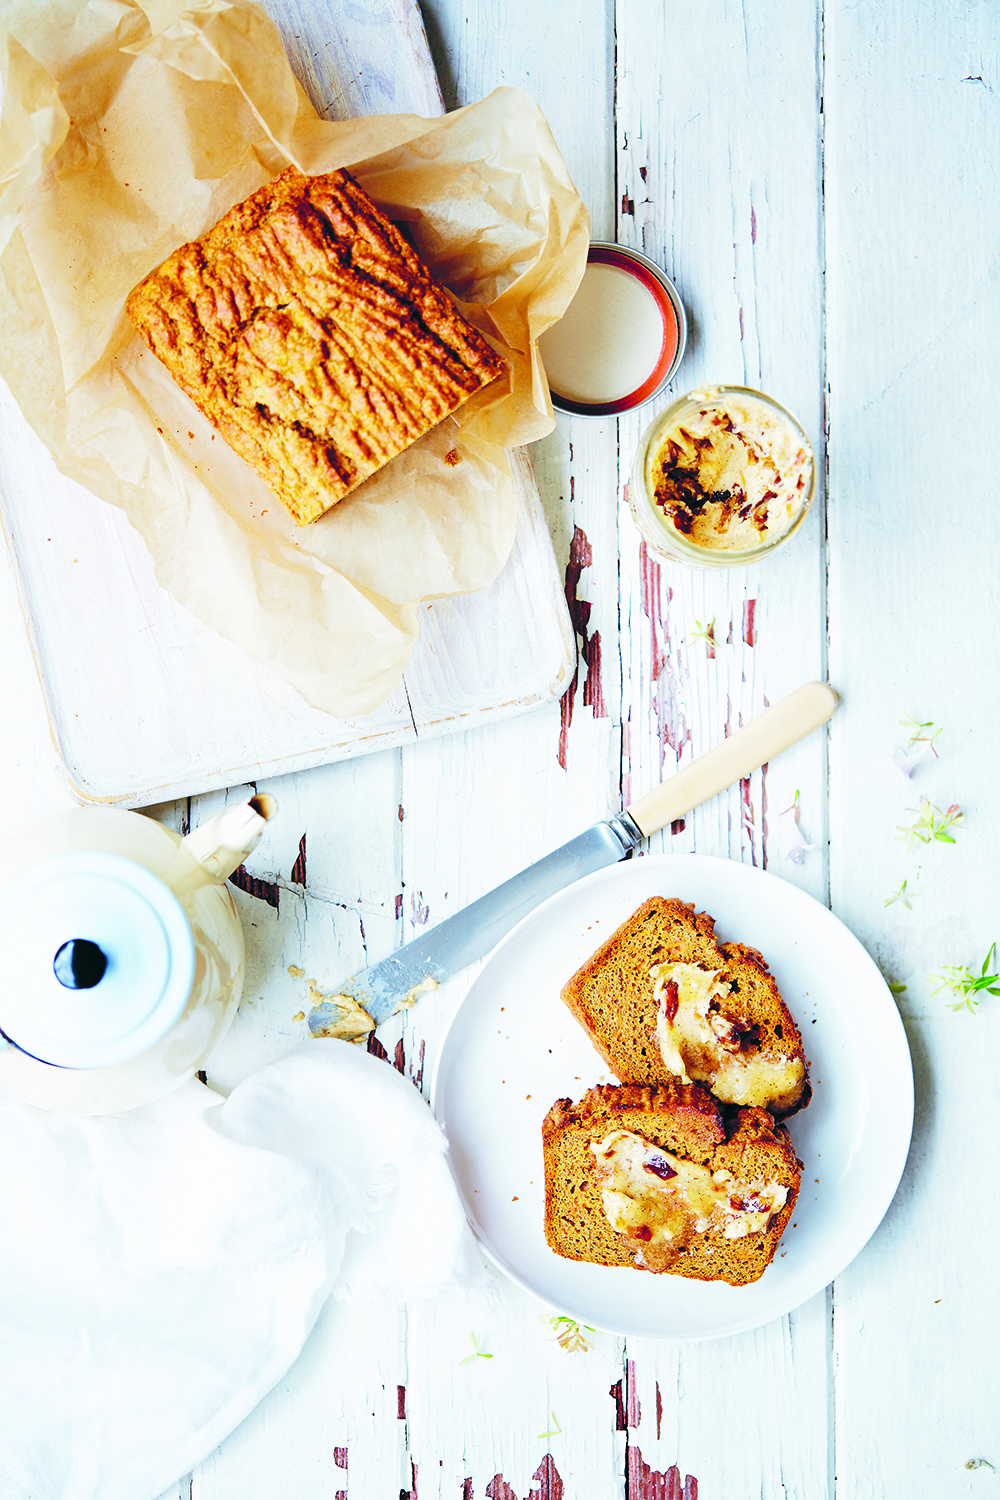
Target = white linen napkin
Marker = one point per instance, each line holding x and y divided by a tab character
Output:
160	1270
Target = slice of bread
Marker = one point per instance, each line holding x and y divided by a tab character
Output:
663	999
689	1202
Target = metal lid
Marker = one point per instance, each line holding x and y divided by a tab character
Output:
621	339
98	960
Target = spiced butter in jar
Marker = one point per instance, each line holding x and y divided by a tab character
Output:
723	477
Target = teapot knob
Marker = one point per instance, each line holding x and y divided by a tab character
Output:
80	964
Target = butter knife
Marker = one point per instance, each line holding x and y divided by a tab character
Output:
470	934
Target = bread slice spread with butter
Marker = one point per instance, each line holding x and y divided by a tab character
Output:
662	999
647	1178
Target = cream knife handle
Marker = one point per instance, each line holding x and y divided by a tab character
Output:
772	731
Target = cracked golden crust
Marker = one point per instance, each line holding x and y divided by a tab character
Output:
305	328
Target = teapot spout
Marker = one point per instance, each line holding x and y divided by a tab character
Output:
223	843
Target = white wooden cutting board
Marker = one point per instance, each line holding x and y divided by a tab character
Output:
145	703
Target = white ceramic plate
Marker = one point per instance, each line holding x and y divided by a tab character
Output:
513	1049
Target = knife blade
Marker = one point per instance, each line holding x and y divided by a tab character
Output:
470	934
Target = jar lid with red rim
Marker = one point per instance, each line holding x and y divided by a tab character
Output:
621	339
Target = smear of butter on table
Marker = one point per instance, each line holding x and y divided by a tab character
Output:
337	1016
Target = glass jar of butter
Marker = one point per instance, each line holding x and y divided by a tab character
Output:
722	478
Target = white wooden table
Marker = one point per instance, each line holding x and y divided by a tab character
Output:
818	180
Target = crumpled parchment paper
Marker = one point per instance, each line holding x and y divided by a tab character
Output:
129	128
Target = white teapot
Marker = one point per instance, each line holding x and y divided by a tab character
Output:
122	953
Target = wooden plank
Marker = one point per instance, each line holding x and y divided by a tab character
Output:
726	195
914	313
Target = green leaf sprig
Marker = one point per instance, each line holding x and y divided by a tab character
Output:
929	822
900	895
918	732
477	1353
704	633
960	981
554	1430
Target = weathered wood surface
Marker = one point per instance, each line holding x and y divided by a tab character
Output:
818	181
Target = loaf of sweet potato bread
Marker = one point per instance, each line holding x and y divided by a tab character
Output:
306	329
663	999
647	1178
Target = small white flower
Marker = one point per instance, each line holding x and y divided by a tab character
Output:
907	757
797	848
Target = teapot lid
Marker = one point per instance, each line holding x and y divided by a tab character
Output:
98	959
